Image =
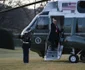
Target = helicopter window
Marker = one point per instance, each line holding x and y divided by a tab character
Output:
32	25
51	5
81	6
43	23
67	25
81	25
54	5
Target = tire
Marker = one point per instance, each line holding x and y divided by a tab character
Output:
82	57
74	58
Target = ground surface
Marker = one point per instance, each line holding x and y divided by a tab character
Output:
12	60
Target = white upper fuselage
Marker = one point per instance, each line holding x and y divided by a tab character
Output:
65	7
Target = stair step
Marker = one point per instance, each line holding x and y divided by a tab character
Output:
53	55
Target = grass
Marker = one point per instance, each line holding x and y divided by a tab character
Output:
12	60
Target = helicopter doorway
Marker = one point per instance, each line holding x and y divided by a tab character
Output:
60	21
57	52
60	24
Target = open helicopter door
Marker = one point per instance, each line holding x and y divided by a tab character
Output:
57	52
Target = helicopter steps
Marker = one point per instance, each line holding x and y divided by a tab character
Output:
55	54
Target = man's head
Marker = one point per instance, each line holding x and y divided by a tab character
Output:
54	21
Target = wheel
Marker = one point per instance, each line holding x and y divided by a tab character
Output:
73	58
82	57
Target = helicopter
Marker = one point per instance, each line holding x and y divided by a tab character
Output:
70	15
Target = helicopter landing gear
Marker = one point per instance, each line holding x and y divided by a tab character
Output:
82	57
73	58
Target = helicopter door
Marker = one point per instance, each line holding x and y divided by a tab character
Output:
57	52
41	31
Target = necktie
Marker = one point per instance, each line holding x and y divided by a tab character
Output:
56	28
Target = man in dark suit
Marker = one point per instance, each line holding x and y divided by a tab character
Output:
26	46
54	34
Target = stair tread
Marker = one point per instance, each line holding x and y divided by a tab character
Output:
53	55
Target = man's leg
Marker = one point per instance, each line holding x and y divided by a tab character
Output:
56	43
25	55
52	45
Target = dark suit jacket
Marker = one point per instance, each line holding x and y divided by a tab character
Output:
26	41
53	34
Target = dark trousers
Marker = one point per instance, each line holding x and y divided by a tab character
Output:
54	44
25	53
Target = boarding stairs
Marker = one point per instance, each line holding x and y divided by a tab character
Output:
53	54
